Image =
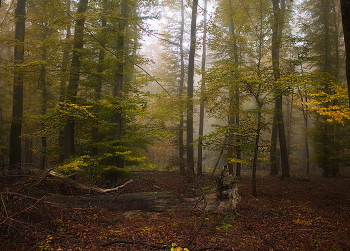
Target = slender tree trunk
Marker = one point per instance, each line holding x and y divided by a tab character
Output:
273	147
235	98
181	89
44	100
345	10
2	159
99	79
69	136
275	63
277	28
63	80
17	110
190	83
118	90
256	147
306	124
201	106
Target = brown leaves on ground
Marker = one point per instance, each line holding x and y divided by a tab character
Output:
311	213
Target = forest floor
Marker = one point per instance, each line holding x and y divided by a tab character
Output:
304	213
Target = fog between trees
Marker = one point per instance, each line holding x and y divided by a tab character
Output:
107	86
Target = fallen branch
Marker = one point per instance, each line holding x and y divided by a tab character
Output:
10	217
200	225
159	246
262	237
67	179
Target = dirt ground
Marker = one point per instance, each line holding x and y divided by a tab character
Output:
305	213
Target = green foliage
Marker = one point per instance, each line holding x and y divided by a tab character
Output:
226	222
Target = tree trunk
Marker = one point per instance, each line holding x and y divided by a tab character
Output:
69	137
190	148
345	10
118	90
17	110
99	79
273	147
44	100
277	28
256	148
201	107
234	98
306	124
64	79
181	89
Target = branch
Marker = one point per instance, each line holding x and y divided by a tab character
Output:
10	217
67	179
262	237
158	246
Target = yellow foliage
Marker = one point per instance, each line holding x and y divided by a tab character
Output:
146	229
303	222
174	247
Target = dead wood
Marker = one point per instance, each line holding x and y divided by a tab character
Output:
83	186
156	246
134	242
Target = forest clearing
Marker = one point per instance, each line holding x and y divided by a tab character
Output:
304	213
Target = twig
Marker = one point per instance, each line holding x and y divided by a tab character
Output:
200	225
262	237
133	242
41	228
3	204
27	208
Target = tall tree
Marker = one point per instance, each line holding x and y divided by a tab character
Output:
234	94
190	90
63	76
119	78
201	106
323	36
181	90
69	134
100	69
17	110
278	7
345	10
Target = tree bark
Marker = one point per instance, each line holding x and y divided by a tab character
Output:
17	108
345	10
118	90
99	79
234	110
277	28
64	78
256	147
44	100
181	90
201	106
69	136
190	83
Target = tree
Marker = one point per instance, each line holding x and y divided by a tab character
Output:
345	10
190	89
201	108
69	137
323	36
277	30
17	110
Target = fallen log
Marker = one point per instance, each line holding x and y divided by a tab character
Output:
83	186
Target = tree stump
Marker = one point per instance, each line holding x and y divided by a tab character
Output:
227	191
